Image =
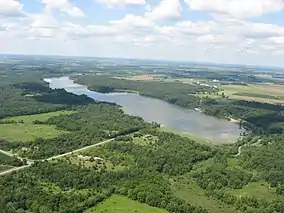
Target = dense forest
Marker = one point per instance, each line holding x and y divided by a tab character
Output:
255	116
73	188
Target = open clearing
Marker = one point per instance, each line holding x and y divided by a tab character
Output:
26	130
120	204
268	93
39	117
186	189
259	189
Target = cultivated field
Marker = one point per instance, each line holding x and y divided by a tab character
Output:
268	93
120	204
144	77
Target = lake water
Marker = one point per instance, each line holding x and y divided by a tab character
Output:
182	120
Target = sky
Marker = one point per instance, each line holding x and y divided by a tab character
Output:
218	31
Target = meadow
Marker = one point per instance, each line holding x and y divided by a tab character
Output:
187	189
120	204
24	128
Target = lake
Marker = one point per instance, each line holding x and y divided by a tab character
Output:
179	119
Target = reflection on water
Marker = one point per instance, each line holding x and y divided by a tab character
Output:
174	117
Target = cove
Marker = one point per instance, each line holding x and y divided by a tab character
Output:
186	121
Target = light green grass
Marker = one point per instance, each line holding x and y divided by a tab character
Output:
28	132
260	189
25	130
120	204
40	117
186	188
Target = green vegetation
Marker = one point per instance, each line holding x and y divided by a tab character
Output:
175	92
38	117
186	188
28	132
89	125
28	128
120	204
143	169
7	161
260	189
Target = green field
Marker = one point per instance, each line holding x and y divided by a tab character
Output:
259	189
120	204
25	130
39	117
186	189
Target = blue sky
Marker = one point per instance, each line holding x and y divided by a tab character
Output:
222	31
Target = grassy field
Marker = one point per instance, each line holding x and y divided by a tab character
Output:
26	130
120	204
259	189
39	117
186	189
268	93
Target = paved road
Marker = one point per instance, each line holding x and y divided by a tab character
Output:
51	158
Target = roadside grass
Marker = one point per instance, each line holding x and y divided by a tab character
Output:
268	93
26	130
40	117
121	204
186	188
260	189
4	168
191	136
3	159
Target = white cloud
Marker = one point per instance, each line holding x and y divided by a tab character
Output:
166	9
65	7
112	3
11	8
237	8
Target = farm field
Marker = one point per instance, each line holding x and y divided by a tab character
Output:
25	130
120	204
268	93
